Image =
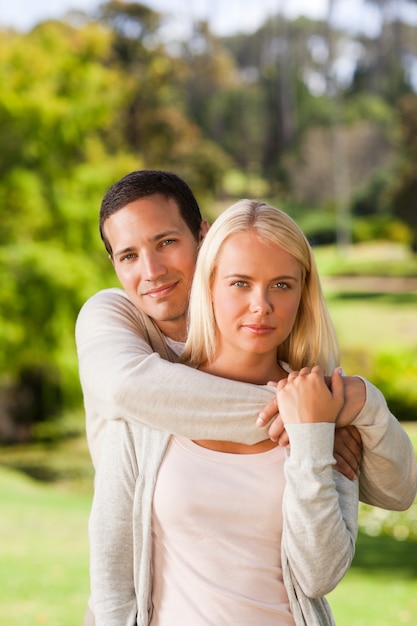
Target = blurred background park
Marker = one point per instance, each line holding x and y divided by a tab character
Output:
313	109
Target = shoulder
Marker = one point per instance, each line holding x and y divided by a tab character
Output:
109	307
110	298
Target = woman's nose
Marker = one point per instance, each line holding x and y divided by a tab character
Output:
260	302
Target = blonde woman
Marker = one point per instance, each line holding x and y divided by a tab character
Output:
205	532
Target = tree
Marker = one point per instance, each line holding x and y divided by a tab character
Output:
56	107
404	190
75	115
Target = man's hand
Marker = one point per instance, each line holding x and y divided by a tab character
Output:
355	397
270	412
348	451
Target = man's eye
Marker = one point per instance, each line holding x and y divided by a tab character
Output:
128	257
167	242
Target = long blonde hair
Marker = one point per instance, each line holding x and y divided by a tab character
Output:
312	340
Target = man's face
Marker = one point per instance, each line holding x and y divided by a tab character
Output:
154	255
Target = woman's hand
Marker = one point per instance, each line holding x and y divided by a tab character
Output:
304	397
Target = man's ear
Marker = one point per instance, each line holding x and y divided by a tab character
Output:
204	228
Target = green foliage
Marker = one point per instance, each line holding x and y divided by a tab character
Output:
380	228
404	188
83	104
319	226
393	373
370	106
73	120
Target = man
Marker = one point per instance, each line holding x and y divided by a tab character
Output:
152	227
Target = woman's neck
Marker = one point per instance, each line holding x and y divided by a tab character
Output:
254	369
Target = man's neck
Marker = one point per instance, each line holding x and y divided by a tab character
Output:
175	330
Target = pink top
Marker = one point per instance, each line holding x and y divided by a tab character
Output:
217	524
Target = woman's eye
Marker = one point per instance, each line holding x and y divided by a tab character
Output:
282	285
239	283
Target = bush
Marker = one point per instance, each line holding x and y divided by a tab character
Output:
394	374
380	227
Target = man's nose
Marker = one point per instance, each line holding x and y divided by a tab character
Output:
151	265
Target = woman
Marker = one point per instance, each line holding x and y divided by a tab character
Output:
191	532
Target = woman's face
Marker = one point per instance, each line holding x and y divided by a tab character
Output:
256	293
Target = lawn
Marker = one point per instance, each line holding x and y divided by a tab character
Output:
44	552
380	588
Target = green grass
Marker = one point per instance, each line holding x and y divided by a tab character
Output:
380	588
43	552
44	549
374	258
374	322
371	315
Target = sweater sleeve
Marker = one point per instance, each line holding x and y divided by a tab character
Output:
388	476
111	532
320	511
122	377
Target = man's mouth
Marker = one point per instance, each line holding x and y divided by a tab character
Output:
161	291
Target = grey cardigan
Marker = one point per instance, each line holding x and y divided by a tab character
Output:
116	348
319	523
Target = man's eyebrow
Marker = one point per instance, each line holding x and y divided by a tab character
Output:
153	239
124	251
166	233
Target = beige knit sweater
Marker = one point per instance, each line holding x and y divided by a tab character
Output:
123	376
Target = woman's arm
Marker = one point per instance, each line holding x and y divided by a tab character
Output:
319	507
319	511
388	477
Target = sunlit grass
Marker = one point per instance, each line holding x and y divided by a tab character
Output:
379	589
43	552
374	258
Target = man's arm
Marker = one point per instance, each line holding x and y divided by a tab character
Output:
388	477
122	377
111	531
388	474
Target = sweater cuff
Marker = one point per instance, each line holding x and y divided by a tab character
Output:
311	441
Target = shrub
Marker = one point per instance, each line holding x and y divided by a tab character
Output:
394	374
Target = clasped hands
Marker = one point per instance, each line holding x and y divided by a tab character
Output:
308	396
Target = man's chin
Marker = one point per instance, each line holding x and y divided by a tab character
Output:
164	313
